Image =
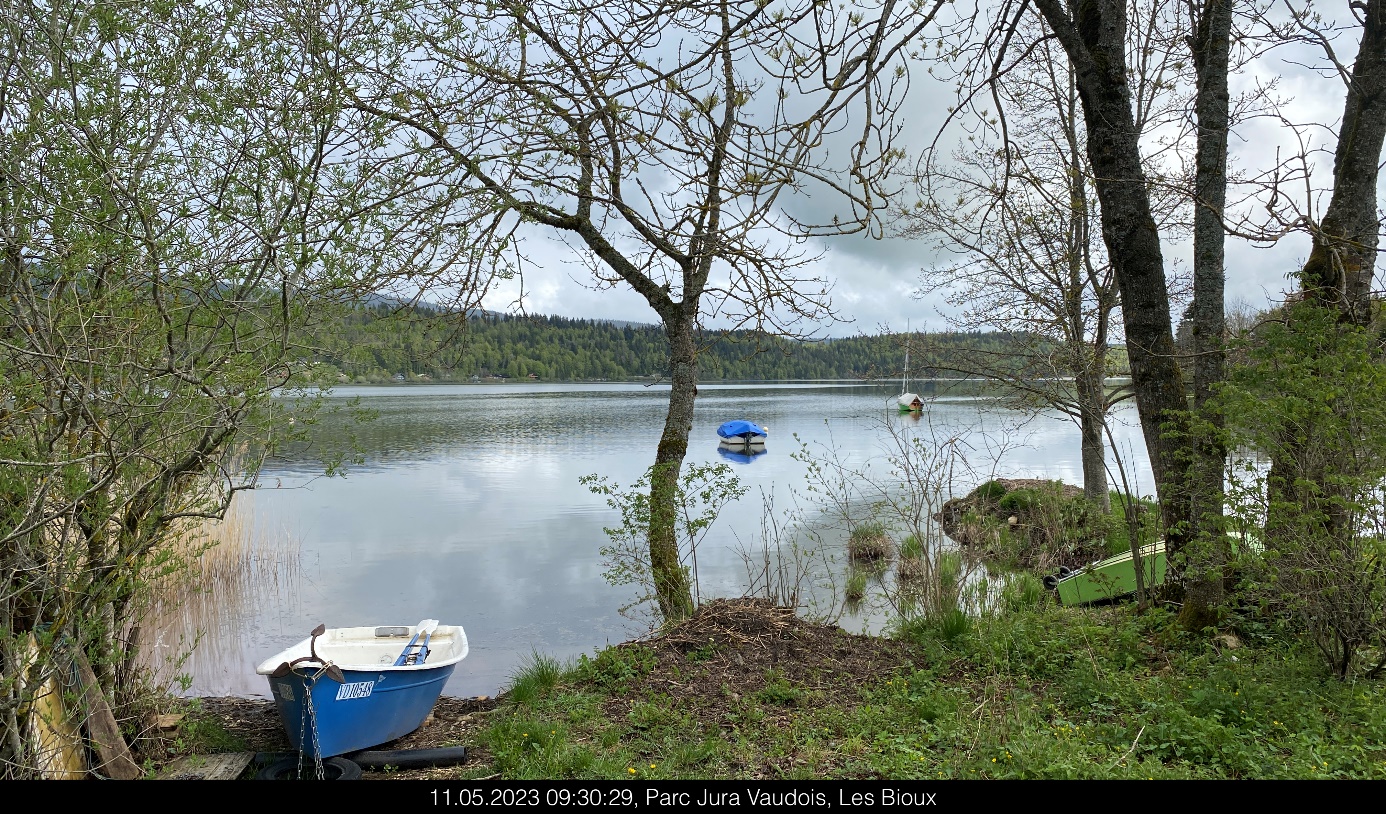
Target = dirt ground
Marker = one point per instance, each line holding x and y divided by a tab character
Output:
738	647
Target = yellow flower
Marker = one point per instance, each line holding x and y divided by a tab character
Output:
632	771
652	765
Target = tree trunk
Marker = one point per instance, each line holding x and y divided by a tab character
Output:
1094	39
671	580
1094	444
1338	273
1210	45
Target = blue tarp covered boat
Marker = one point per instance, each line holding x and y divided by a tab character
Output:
346	689
742	433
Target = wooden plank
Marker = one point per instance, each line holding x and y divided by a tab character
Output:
110	745
228	766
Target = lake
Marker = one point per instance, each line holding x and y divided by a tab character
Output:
467	508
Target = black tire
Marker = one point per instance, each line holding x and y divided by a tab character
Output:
411	758
333	768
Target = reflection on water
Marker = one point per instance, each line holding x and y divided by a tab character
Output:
467	508
740	455
205	621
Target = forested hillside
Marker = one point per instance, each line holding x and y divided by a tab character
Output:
371	345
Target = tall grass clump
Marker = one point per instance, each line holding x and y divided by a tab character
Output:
868	543
1022	591
855	590
537	675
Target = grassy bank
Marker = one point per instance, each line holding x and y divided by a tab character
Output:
1038	694
1044	693
745	690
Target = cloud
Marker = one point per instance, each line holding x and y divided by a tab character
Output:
875	279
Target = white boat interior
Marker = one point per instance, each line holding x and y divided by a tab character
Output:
376	648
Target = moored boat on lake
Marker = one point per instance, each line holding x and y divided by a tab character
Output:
737	434
908	402
345	689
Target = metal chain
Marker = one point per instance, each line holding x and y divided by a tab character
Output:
309	719
303	726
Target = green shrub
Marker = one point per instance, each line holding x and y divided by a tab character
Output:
617	665
989	491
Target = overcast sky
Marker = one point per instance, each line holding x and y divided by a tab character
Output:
875	281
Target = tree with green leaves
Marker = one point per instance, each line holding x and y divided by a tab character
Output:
179	201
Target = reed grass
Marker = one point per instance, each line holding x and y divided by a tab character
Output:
217	573
855	590
911	548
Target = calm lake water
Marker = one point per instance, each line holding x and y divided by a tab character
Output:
467	508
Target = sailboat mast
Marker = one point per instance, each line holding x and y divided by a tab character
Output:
904	376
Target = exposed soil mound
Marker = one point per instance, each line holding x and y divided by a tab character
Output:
737	642
1027	523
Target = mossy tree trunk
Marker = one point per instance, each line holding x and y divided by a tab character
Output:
1093	34
1211	45
672	589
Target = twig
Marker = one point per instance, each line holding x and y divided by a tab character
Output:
1091	656
1132	749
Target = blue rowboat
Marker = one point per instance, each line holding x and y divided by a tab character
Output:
345	689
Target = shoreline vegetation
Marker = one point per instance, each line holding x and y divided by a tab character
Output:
1016	687
748	690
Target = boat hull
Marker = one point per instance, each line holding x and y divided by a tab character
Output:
1112	578
377	701
754	441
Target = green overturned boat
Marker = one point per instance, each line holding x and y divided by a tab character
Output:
1110	579
1114	578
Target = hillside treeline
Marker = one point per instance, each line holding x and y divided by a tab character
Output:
378	345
